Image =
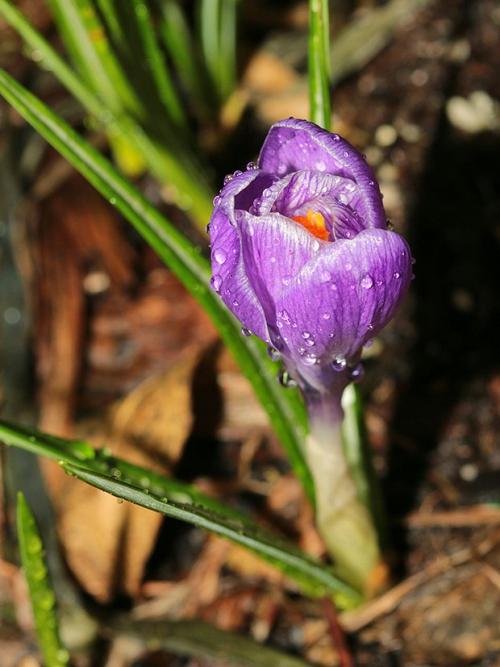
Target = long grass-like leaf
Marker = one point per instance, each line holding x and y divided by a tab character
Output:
319	63
39	587
179	42
179	501
184	260
189	189
200	640
88	45
156	64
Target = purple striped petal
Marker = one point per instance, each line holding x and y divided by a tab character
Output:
344	296
295	145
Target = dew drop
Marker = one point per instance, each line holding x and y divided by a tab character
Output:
216	200
273	353
285	316
228	178
273	260
310	342
390	226
326	316
320	166
216	282
357	372
251	166
285	379
220	256
236	303
367	282
309	359
339	364
245	331
397	275
306	335
286	280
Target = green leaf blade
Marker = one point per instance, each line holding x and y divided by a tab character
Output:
181	257
319	63
180	501
40	590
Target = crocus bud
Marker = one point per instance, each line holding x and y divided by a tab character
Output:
302	256
301	253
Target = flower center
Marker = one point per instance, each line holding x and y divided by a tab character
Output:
314	222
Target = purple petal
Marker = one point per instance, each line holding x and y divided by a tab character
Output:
344	296
229	277
295	145
275	249
241	190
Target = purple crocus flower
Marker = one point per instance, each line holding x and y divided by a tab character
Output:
302	256
301	253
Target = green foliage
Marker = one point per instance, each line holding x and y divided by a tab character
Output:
319	63
180	501
40	590
284	409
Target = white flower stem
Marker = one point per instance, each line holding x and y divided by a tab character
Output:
343	520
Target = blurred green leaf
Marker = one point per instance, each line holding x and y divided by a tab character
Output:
284	409
40	590
200	640
180	501
180	44
218	40
187	182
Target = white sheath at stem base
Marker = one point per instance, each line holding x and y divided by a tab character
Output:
342	519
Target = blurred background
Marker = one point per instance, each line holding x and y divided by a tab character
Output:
99	341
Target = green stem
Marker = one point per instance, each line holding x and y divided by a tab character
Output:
319	59
343	519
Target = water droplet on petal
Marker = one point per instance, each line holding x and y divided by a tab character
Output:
310	342
326	316
390	226
220	256
216	282
397	275
320	166
251	166
285	316
245	331
306	334
228	178
216	200
357	372
339	364
273	353
367	282
309	359
236	303
286	280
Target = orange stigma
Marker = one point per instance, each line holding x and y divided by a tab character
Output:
314	222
